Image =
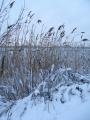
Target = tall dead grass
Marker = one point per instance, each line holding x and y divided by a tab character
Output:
25	52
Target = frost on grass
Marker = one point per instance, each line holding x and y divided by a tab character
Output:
35	79
62	95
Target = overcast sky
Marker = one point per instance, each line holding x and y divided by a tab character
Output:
73	13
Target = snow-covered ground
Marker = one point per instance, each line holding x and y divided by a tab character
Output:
63	95
69	103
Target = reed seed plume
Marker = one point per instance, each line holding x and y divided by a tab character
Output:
85	39
61	26
39	21
11	4
51	29
74	30
62	34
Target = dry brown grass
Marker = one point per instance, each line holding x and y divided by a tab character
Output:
24	52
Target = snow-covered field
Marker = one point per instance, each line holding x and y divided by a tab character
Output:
67	102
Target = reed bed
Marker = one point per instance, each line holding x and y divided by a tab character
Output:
25	52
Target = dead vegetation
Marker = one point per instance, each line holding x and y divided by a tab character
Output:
24	52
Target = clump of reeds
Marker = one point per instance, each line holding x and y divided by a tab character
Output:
25	52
